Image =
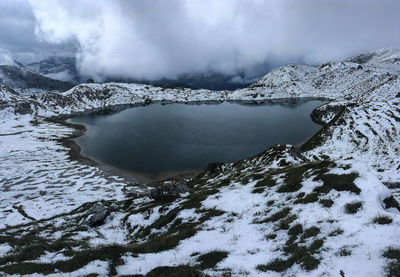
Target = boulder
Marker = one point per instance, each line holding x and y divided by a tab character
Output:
97	214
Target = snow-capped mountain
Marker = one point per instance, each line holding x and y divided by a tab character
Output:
318	209
59	68
378	79
22	78
365	76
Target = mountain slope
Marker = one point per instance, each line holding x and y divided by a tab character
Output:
21	78
367	81
313	210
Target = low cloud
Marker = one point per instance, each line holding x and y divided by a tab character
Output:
6	57
152	39
62	76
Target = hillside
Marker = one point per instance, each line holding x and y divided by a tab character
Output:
22	78
355	78
316	209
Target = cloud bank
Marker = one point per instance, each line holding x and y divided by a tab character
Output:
152	39
17	35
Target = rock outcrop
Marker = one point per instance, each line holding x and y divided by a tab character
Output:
167	190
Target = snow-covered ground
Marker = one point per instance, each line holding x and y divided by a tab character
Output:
312	211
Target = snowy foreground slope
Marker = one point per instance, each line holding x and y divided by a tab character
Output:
316	210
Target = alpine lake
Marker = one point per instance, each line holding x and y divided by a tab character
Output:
165	139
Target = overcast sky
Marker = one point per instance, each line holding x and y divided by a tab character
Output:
156	38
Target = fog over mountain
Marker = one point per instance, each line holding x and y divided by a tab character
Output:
155	39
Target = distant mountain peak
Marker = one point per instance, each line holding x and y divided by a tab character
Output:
17	77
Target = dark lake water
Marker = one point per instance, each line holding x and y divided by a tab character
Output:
159	140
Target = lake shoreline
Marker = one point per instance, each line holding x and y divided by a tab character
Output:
75	151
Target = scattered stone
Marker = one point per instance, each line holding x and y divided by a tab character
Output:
147	101
168	190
